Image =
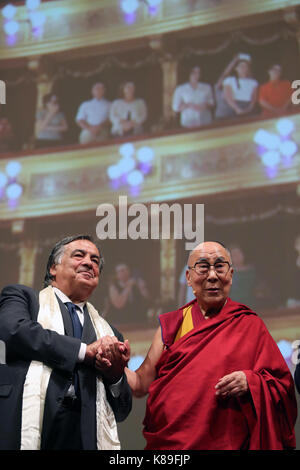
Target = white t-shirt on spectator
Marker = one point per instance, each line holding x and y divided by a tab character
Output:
242	88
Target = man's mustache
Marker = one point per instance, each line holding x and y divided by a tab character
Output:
86	270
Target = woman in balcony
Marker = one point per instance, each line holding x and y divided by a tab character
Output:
240	90
128	297
51	123
129	113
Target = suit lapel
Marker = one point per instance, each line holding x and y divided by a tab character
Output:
66	318
88	333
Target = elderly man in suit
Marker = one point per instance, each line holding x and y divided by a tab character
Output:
54	396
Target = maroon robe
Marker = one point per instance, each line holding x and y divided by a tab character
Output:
183	411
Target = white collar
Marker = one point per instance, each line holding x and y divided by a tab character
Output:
64	298
95	100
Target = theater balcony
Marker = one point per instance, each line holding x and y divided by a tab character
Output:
220	159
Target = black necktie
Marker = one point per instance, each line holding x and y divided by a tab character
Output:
77	327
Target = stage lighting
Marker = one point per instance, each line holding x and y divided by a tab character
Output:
127	150
271	158
3	180
9	11
135	178
13	169
129	6
11	27
32	4
114	172
145	154
14	191
285	127
288	148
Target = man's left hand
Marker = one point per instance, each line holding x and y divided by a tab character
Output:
232	385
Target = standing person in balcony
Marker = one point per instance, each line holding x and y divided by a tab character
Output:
223	110
240	90
51	123
128	114
194	101
275	95
92	116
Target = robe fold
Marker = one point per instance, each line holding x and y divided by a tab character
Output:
183	411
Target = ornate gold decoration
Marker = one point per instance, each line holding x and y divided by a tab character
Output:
28	252
167	268
76	24
195	163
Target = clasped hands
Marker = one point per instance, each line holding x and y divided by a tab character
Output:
109	356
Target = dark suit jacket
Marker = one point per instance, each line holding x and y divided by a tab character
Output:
27	340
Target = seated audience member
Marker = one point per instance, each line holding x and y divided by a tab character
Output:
129	297
128	113
92	116
6	135
275	95
240	91
194	101
50	123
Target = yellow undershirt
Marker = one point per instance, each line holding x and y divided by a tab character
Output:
187	323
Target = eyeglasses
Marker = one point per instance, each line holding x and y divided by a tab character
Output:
220	267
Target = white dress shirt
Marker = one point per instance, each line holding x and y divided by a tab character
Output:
64	298
114	388
187	94
94	111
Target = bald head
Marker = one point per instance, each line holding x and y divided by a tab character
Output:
208	247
